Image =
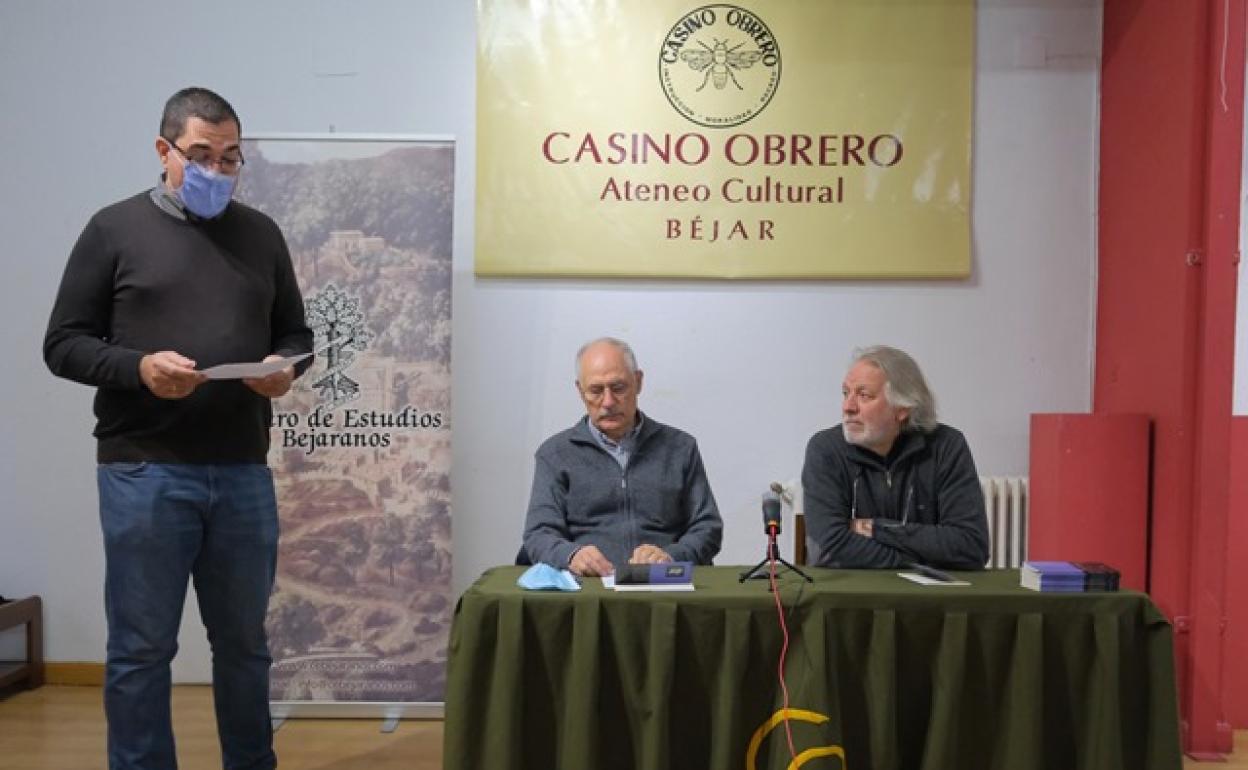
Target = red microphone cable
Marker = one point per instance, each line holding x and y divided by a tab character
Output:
784	629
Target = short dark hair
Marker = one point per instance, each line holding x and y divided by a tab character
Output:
195	103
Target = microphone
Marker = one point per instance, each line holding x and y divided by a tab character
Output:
772	507
785	494
771	513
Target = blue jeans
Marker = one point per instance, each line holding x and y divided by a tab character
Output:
163	524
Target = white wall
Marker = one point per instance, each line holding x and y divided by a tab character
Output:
751	369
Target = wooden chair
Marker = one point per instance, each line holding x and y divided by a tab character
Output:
28	611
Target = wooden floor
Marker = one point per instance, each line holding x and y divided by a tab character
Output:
62	728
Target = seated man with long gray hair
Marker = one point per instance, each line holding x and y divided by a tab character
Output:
618	487
890	486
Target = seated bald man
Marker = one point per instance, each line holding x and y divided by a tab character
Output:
891	486
618	487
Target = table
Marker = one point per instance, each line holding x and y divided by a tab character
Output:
893	674
28	611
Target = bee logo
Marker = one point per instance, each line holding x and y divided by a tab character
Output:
719	62
719	65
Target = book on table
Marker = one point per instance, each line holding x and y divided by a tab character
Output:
1100	576
1066	576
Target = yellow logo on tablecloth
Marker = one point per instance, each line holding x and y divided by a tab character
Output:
801	715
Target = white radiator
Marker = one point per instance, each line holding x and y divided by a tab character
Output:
1006	500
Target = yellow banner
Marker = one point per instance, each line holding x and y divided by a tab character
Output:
778	139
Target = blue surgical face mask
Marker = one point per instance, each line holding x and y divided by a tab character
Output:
543	577
205	193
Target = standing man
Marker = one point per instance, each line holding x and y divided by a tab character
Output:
158	287
618	487
890	486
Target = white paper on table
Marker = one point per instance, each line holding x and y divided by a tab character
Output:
608	581
924	580
654	586
258	369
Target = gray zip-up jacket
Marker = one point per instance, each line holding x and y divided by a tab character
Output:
581	496
924	499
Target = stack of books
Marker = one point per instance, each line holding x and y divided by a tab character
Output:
1067	576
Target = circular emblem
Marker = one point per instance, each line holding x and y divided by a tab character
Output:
719	65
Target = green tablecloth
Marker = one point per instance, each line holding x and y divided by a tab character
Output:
989	675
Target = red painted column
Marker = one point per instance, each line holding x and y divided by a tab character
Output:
1210	731
1169	202
1235	672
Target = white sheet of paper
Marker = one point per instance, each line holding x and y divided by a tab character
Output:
924	580
654	587
608	581
258	369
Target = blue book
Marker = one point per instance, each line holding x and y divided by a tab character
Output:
1052	576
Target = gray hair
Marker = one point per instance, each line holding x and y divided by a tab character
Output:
904	386
630	360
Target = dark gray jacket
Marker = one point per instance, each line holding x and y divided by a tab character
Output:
924	498
581	496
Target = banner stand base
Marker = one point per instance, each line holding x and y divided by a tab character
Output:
388	713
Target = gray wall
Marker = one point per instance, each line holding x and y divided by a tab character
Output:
751	369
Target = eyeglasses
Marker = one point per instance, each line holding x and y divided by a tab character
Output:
595	393
227	164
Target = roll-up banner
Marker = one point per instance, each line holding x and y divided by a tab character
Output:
361	446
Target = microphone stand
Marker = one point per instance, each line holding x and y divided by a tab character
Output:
773	554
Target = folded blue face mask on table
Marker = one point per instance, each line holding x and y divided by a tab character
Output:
543	577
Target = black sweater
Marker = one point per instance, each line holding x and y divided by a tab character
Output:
141	280
924	499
